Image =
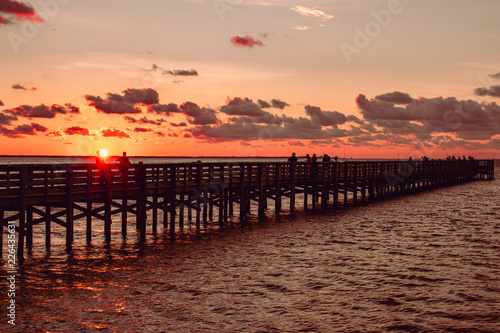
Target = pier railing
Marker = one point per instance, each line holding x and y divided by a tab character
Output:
35	194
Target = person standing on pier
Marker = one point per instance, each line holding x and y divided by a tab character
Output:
101	166
293	158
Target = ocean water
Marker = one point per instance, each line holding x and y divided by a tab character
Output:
428	262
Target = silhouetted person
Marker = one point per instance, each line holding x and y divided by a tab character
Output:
101	166
314	167
123	164
308	158
99	160
326	158
123	160
293	158
336	158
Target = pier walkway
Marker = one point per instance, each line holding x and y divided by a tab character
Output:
169	194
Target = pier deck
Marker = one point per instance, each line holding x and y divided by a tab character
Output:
43	194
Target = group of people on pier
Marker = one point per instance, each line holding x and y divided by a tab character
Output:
453	158
313	159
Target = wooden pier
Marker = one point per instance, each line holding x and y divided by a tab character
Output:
31	195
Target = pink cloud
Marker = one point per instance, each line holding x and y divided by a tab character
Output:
115	133
247	41
19	9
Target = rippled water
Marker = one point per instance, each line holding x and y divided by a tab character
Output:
423	263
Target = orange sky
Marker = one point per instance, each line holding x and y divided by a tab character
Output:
357	78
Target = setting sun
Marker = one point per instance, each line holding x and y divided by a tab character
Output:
103	152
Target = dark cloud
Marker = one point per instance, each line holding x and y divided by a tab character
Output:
166	109
246	111
144	120
175	72
301	128
77	130
278	104
6	119
468	119
182	72
396	97
21	130
124	104
275	103
493	91
142	130
243	107
199	115
178	125
18	86
264	104
247	41
1	103
20	10
496	75
325	118
115	133
43	111
146	96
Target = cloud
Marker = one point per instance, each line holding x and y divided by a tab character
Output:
468	119
1	103
6	119
76	130
496	75
243	107
166	109
178	125
300	128
247	41
21	130
126	103
114	133
325	118
493	91
18	86
198	115
182	72
275	103
312	12
143	120
142	130
251	122
246	111
43	111
175	72
20	10
396	97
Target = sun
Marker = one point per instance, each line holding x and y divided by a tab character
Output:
103	152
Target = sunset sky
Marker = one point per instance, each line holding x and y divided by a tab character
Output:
354	78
